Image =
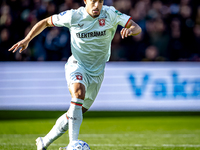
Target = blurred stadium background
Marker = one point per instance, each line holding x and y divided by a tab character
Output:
171	30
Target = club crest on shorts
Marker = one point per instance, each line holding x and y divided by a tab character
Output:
102	22
79	76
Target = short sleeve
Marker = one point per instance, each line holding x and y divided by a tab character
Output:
120	18
63	19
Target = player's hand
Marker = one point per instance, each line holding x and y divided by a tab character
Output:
21	45
125	32
131	31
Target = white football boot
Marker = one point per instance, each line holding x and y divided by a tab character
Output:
40	144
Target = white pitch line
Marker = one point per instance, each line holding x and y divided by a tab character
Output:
115	135
112	145
184	145
138	135
135	145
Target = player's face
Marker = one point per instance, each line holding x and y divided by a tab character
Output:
93	7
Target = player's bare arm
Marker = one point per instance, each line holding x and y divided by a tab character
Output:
131	29
37	29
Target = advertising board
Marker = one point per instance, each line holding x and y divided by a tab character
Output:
127	86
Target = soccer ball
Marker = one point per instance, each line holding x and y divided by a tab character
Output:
78	145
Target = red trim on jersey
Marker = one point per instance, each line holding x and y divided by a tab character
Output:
76	104
52	21
128	21
67	117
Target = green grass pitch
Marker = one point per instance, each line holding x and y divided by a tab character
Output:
106	131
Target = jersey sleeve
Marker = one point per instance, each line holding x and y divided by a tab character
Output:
118	17
63	19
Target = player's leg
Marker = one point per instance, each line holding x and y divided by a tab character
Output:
77	83
60	127
92	91
74	113
81	98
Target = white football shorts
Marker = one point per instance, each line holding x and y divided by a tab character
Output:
76	74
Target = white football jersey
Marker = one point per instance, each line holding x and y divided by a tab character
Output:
91	37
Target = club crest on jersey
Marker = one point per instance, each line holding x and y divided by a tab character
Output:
102	22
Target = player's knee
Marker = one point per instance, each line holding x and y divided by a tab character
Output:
78	91
79	95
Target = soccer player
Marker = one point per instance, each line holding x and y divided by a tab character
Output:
92	29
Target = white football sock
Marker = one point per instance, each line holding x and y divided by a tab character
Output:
60	127
75	117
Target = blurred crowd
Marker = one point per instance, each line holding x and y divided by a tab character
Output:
171	30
